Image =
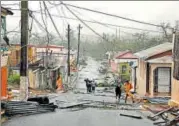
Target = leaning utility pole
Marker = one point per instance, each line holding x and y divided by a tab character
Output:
24	43
68	52
79	29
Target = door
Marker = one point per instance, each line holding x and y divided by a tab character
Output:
164	80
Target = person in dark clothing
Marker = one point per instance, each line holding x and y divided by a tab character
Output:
118	92
87	84
93	86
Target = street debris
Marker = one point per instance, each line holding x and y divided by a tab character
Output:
40	100
153	118
132	116
71	105
13	108
157	100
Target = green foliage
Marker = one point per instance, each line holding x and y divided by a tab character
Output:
14	79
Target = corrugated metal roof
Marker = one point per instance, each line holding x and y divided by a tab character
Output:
144	54
164	59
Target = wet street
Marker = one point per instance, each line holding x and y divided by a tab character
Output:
82	117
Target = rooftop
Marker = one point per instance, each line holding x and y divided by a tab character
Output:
126	55
144	54
164	59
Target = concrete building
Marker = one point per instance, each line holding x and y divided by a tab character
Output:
154	70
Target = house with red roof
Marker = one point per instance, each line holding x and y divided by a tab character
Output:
122	65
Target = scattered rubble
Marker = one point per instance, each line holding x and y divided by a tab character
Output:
13	108
40	100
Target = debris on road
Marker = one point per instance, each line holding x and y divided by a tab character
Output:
27	108
40	100
71	105
157	100
159	114
132	116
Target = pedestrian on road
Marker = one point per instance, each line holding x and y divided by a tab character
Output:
93	86
59	84
87	84
127	87
118	91
90	86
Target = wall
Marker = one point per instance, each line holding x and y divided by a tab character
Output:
141	77
113	66
125	75
153	66
31	78
4	73
175	91
14	57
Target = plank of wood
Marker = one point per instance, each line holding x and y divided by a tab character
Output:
161	112
132	116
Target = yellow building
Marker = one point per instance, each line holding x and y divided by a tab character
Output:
15	56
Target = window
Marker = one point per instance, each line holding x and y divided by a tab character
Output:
124	68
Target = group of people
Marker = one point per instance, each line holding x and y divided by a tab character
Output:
127	87
90	85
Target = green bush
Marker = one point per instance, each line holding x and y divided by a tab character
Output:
14	79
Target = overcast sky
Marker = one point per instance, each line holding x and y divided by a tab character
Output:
148	11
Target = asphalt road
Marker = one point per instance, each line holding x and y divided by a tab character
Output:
84	117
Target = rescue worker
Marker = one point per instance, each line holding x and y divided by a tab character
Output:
118	91
59	83
127	87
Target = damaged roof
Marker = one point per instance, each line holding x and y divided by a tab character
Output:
144	54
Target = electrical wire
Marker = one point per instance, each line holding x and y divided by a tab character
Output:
45	23
112	15
102	23
105	25
52	21
85	24
64	21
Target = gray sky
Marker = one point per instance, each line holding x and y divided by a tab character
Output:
148	11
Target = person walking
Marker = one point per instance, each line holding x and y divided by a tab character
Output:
127	87
90	86
87	84
93	86
118	91
59	84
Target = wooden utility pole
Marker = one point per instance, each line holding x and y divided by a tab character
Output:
68	51
79	29
24	58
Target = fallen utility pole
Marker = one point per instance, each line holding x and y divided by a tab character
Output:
24	42
68	52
